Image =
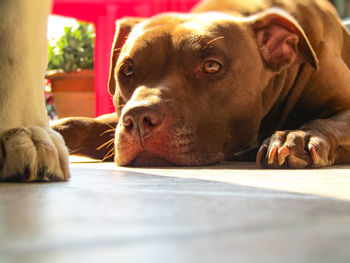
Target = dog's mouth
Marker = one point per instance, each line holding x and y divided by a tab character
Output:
146	138
150	159
162	151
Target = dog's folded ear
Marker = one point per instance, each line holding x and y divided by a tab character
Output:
123	29
281	39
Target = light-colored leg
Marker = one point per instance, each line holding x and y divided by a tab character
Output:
30	150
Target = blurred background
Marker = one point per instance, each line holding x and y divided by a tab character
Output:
343	7
80	34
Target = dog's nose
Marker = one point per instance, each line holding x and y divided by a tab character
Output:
142	121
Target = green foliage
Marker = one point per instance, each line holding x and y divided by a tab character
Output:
74	50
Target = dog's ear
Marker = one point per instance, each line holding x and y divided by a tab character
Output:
281	39
123	29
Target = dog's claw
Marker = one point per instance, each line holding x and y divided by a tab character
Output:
272	154
283	153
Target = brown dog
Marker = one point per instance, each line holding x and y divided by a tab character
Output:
195	89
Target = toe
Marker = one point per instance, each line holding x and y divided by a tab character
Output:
260	158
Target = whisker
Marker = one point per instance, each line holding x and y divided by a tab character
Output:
109	154
107	131
215	39
109	142
109	145
211	41
110	126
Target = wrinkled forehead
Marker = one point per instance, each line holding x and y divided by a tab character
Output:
179	30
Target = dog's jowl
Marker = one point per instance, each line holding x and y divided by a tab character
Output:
196	89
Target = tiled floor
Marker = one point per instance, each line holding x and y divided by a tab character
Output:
226	213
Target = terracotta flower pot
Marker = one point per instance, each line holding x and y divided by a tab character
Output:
73	93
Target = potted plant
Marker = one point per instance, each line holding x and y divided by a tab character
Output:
70	70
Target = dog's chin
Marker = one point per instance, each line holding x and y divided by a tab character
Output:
149	159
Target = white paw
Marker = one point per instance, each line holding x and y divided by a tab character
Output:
33	154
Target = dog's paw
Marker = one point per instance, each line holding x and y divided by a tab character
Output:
33	154
295	149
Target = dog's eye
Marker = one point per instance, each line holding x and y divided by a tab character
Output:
211	66
127	70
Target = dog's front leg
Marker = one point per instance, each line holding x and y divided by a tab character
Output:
318	143
30	150
93	138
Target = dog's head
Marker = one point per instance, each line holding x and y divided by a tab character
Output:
188	88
